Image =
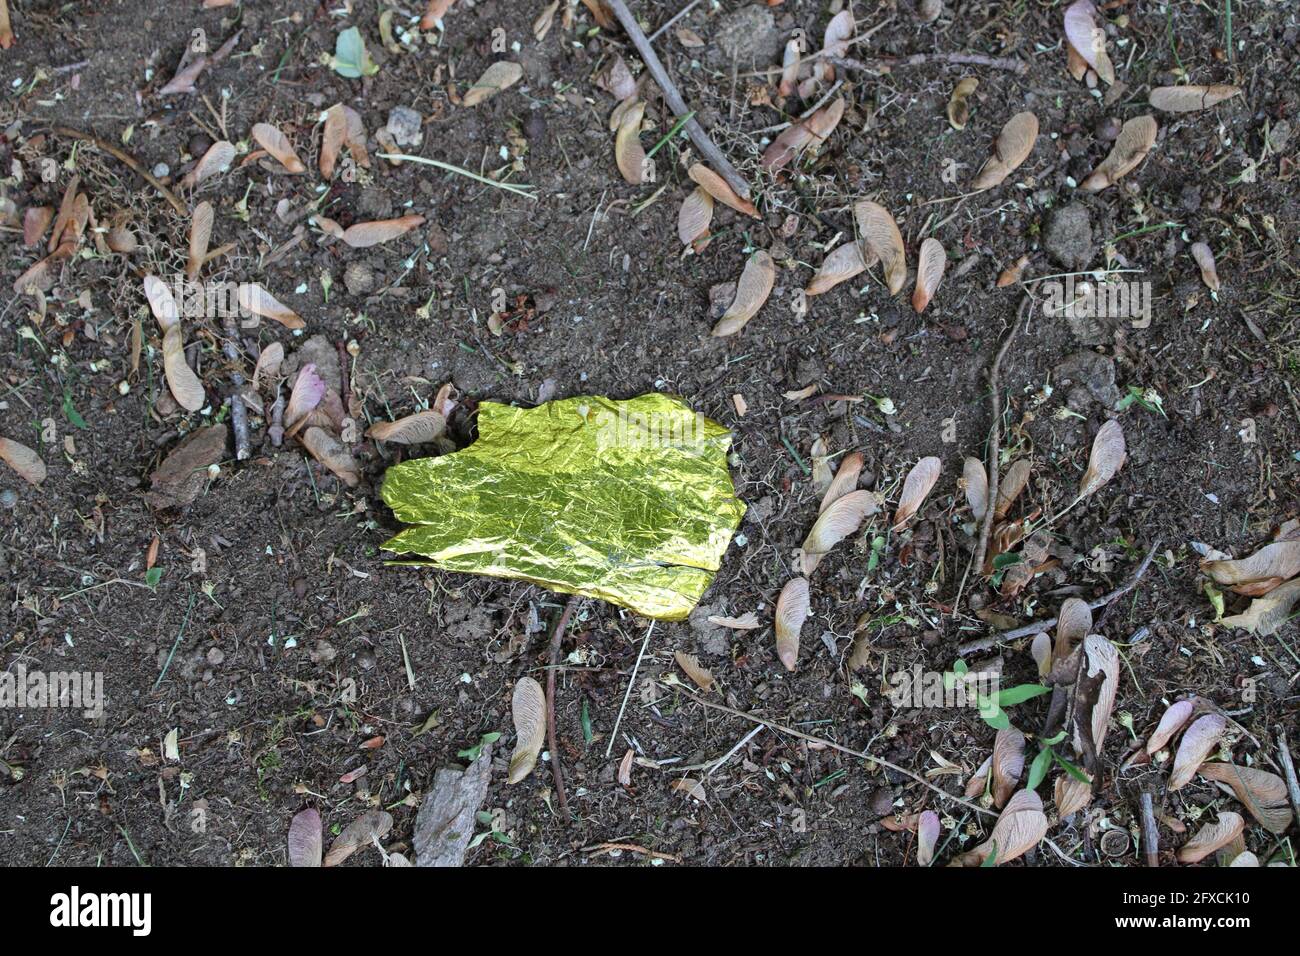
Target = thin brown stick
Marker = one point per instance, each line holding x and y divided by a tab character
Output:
630	848
673	98
1150	832
1288	772
238	411
984	643
887	63
557	768
276	431
859	754
127	159
994	451
995	436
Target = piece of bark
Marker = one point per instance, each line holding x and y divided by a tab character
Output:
183	474
445	823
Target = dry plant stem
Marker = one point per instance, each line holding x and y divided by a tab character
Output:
630	848
882	64
126	158
238	410
673	98
859	754
675	17
631	682
835	88
995	439
984	643
557	769
1288	772
991	464
1150	833
276	431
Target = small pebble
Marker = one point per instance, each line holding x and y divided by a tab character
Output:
8	498
535	127
161	170
404	125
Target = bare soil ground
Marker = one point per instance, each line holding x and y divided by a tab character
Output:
274	603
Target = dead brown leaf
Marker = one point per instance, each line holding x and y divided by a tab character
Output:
256	299
1014	144
881	239
528	708
931	261
501	75
327	450
701	676
1136	137
1211	837
1185	99
752	289
277	144
416	429
23	460
361	832
1106	459
791	612
916	487
841	264
1199	741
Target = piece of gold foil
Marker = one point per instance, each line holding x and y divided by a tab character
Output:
627	501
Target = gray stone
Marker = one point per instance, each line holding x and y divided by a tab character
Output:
358	278
1094	372
374	203
405	126
709	637
1088	329
748	36
183	474
1067	236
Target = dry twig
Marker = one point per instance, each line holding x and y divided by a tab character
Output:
673	98
1150	832
129	160
557	768
994	449
859	754
1288	772
984	643
887	63
238	410
631	682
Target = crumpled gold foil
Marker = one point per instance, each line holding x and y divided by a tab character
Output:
627	501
